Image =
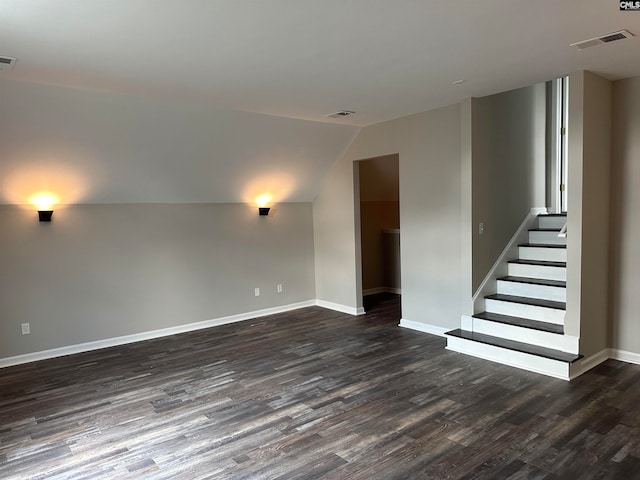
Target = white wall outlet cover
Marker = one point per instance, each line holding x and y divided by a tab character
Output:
26	329
257	292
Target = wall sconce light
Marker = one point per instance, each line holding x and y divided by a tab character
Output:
262	202
44	203
45	215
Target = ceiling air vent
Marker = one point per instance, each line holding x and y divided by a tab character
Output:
340	114
608	38
7	63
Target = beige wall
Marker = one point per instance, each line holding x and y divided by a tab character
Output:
101	271
625	217
507	169
428	145
97	147
589	130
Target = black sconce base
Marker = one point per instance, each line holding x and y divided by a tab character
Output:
263	211
45	215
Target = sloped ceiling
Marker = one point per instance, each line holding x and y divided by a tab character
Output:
90	147
181	101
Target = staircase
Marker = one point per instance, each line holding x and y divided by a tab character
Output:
523	322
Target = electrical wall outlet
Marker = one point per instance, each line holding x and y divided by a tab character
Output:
257	292
279	288
481	229
26	328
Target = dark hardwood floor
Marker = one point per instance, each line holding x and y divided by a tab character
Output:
312	394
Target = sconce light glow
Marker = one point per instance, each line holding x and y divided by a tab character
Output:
44	201
263	200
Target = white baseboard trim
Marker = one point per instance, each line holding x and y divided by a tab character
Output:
340	308
138	337
624	356
423	327
376	290
585	364
466	323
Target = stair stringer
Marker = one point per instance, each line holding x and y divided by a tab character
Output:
499	268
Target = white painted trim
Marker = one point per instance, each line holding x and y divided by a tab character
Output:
585	364
624	356
563	230
423	327
466	323
509	250
376	290
138	337
340	308
535	211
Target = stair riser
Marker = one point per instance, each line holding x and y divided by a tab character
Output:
533	363
526	335
532	312
551	222
544	292
543	254
537	271
547	237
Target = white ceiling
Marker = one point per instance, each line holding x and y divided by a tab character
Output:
126	101
307	58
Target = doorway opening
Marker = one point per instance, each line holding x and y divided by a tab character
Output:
379	204
558	179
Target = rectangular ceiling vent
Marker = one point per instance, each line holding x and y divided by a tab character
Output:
7	63
608	38
340	114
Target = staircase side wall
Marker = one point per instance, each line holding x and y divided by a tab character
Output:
625	219
589	130
508	169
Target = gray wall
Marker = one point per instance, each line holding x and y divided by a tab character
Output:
589	132
508	169
428	145
625	217
101	271
95	147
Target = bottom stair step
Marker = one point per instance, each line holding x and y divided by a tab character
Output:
537	359
517	346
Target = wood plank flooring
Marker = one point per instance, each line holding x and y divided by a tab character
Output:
307	395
